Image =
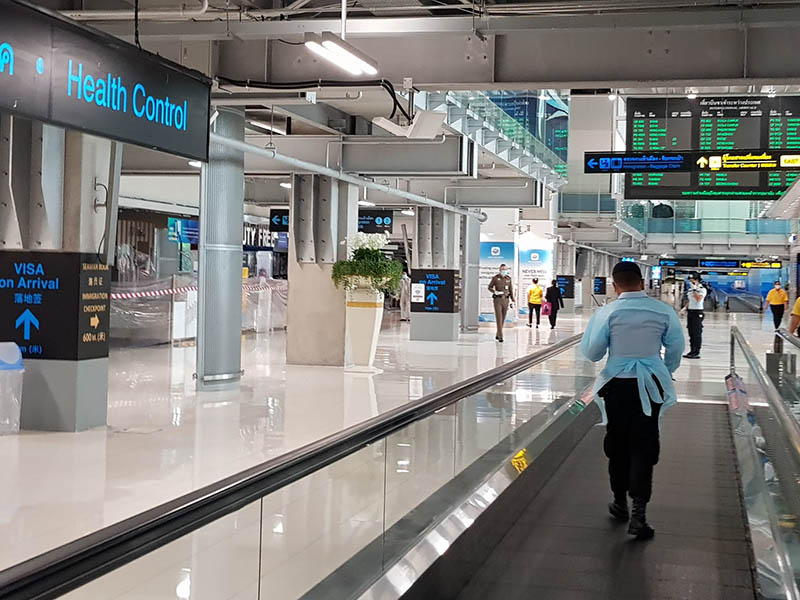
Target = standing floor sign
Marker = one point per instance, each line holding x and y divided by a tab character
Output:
57	71
55	305
435	290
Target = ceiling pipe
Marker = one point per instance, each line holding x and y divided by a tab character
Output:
524	8
180	14
334	174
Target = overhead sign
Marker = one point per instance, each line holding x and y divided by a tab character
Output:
720	264
566	283
691	161
710	133
55	305
375	221
600	286
762	265
679	262
439	290
279	219
57	71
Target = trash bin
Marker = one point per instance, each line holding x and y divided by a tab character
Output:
11	372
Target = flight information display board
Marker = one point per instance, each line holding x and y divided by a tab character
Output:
713	123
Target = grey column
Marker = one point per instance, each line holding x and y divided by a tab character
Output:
219	307
470	273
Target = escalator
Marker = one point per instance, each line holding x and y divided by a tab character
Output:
492	488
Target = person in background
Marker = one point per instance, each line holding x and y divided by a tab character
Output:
634	389
405	297
696	313
502	291
535	294
553	296
778	302
794	321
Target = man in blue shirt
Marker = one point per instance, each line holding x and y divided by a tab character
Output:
635	387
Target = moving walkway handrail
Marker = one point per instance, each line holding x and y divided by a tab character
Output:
76	563
788	423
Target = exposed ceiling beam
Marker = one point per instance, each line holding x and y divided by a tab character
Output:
654	49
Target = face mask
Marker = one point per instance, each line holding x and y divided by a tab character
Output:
505	271
777	287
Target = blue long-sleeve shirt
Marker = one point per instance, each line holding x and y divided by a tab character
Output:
632	331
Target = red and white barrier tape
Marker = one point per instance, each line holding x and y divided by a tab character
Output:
180	290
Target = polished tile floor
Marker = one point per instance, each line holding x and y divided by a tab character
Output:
164	439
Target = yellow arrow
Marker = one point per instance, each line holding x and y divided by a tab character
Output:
94	321
703	162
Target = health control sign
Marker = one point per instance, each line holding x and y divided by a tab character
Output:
59	72
435	291
55	305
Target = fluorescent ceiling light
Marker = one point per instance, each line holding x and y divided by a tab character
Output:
195	164
267	126
691	95
342	54
286	184
409	212
365	203
612	96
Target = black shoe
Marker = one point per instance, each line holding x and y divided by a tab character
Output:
500	340
638	526
691	355
619	511
529	325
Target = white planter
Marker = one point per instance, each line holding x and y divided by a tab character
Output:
364	317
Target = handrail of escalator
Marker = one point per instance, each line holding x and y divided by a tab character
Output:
786	336
788	423
72	565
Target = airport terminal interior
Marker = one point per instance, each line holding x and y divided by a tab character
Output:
294	296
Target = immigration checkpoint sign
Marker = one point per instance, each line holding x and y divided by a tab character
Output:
55	305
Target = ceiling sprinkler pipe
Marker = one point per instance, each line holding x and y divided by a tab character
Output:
180	14
328	172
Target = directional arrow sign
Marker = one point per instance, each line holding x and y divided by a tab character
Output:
94	321
276	219
703	162
25	320
592	163
432	298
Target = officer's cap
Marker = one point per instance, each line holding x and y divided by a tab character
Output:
626	267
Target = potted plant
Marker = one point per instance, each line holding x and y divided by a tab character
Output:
366	276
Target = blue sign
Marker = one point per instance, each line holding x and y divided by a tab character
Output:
720	264
600	286
183	231
279	220
375	221
60	72
55	305
566	283
637	162
655	272
441	293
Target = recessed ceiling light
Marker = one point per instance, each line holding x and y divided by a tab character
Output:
195	164
286	185
612	96
691	95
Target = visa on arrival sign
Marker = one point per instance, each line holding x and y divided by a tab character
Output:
60	72
55	305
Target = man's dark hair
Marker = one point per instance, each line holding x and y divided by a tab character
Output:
535	280
627	279
502	266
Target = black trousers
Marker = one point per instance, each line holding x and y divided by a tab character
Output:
777	314
632	442
538	309
553	317
695	326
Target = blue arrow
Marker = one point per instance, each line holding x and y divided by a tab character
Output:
592	163
276	220
27	319
431	297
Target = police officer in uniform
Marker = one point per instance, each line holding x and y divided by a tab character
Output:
695	309
502	296
634	388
